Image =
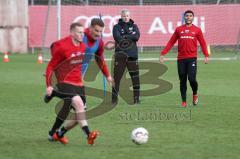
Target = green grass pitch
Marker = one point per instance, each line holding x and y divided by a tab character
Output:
210	130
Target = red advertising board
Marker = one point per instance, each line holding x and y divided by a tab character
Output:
219	23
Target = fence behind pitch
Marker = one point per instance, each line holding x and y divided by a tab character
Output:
157	21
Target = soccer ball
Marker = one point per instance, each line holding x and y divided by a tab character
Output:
139	136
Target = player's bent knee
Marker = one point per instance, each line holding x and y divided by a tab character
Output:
76	99
78	103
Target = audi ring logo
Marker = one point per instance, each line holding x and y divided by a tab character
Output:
109	21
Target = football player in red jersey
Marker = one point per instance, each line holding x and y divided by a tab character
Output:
187	36
66	63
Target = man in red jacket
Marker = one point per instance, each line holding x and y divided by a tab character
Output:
66	63
187	36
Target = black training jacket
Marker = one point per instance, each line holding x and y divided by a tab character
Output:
126	36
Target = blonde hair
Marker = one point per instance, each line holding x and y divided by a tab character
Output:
125	11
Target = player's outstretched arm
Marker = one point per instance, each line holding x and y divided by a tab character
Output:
169	45
203	46
54	62
99	58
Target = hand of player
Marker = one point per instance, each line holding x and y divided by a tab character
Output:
161	59
49	91
110	80
206	60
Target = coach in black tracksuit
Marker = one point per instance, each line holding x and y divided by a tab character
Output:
126	35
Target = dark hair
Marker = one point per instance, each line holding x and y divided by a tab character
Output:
97	21
74	25
188	11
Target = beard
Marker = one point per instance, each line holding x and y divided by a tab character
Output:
188	21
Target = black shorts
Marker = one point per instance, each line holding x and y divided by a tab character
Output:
68	91
187	68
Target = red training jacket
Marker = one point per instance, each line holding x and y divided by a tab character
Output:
66	62
187	42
